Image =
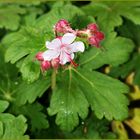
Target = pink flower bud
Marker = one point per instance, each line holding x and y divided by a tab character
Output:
62	26
55	63
45	65
39	56
92	27
99	35
94	41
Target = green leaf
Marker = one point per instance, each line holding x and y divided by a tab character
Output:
33	112
69	12
91	128
30	68
9	16
12	127
30	92
25	2
78	89
131	66
132	31
8	77
109	13
26	42
59	11
3	105
14	90
68	101
116	50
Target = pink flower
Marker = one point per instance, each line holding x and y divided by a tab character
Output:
62	26
63	48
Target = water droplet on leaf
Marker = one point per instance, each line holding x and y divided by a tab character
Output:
16	83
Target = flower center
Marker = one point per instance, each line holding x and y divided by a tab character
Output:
63	45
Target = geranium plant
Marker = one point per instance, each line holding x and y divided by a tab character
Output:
62	68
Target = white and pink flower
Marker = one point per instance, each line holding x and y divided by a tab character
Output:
63	48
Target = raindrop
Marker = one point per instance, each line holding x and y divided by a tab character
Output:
62	102
16	83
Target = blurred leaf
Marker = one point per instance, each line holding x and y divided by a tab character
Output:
134	121
73	14
3	105
120	130
31	15
135	95
30	2
130	30
131	66
109	13
9	16
71	95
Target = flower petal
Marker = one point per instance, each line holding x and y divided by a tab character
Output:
76	47
50	54
72	56
64	58
47	43
68	38
54	44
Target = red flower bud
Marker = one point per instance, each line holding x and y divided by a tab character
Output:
99	35
39	56
45	65
94	41
62	26
92	27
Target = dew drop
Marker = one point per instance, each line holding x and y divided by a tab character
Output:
82	123
16	83
62	102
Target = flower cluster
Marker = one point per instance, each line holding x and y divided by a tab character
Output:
61	49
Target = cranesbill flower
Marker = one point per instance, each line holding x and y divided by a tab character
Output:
63	48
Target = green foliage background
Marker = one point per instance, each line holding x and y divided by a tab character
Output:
91	101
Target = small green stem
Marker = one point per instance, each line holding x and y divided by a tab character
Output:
53	84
